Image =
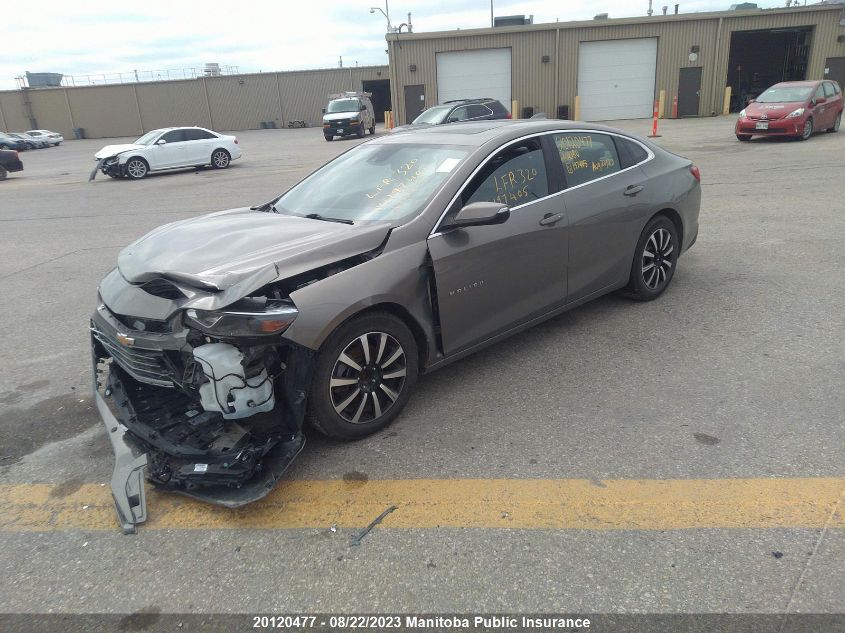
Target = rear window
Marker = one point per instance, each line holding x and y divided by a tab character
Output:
630	153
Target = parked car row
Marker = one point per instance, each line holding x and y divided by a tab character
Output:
33	139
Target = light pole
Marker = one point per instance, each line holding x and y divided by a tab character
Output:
386	13
491	14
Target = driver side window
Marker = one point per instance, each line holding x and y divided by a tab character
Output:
174	136
514	176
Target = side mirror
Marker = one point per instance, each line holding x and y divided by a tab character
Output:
161	141
481	214
324	110
363	107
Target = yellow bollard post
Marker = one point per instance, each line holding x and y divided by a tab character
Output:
514	109
726	106
576	114
661	104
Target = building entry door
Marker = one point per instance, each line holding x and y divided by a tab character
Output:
834	69
689	91
414	102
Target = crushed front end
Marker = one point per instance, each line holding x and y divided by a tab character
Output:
209	402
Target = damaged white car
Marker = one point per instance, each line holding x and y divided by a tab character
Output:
167	148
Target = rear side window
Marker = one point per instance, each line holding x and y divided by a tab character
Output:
498	109
586	156
819	93
829	90
514	176
458	114
477	111
198	135
630	153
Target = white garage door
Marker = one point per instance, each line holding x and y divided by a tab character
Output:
616	79
473	74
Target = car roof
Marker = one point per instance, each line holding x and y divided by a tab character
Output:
477	133
798	84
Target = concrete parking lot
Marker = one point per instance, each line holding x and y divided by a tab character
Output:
562	470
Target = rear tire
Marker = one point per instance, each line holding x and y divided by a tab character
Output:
836	123
655	260
3	173
357	391
328	138
136	168
743	137
220	159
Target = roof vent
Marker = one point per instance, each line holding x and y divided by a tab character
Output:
162	288
601	16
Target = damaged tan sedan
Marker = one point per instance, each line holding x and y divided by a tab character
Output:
216	337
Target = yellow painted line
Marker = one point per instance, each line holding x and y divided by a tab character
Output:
621	504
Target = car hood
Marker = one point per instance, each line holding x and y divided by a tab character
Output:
334	116
112	150
772	110
215	252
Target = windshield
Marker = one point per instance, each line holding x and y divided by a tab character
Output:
433	116
147	138
785	95
374	182
344	105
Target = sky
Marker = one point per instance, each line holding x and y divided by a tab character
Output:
92	38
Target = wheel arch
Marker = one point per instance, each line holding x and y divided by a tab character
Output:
675	218
401	313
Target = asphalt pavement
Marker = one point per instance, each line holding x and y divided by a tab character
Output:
734	375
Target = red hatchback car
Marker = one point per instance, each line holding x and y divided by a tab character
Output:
792	108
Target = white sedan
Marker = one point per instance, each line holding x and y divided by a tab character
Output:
53	138
167	148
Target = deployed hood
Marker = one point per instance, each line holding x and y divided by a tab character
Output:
112	150
334	116
772	110
216	251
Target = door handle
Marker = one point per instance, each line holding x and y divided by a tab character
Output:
551	218
633	190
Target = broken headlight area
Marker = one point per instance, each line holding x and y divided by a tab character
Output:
215	400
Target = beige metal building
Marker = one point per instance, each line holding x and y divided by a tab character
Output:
607	69
231	102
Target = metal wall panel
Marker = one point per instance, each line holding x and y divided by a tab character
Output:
102	111
173	103
232	102
242	102
14	117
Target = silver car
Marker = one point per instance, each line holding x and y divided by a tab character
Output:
216	337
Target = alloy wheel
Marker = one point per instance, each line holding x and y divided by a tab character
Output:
221	159
808	129
368	377
657	258
136	168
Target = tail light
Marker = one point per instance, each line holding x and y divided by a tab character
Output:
510	116
696	173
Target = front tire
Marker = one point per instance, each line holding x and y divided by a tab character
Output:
136	168
808	130
363	376
655	260
328	138
220	159
836	123
743	137
360	132
373	128
3	173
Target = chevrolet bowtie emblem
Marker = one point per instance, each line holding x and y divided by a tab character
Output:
128	341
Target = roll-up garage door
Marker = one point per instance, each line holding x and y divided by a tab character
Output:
616	79
474	74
